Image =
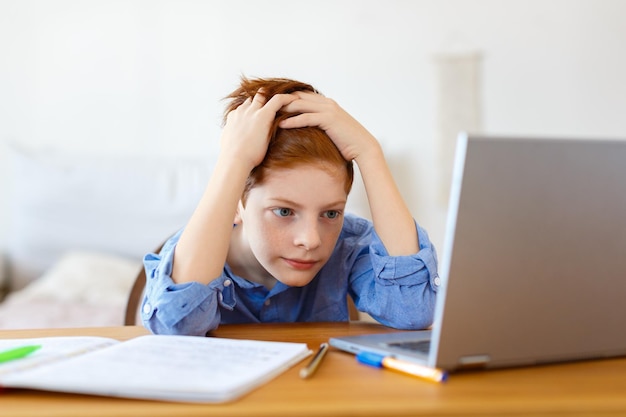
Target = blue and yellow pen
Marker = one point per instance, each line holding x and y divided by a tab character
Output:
17	353
421	371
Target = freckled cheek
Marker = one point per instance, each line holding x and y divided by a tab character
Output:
272	235
329	236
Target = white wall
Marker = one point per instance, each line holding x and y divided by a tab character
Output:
128	77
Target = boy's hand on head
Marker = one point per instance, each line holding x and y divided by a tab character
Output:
245	136
351	138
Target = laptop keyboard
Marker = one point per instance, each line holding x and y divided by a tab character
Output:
422	346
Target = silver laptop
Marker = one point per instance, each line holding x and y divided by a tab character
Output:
534	262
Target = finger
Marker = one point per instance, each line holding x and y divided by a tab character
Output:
279	101
309	95
300	120
309	103
259	98
245	104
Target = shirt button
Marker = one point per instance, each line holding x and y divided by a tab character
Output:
147	308
437	281
227	283
267	302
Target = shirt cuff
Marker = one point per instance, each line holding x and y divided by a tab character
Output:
409	269
172	302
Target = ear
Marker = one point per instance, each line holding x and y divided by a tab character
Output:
238	213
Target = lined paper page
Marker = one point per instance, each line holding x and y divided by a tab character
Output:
182	368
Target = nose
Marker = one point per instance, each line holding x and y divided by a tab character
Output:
307	235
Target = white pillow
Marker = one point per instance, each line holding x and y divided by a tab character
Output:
84	277
83	289
121	205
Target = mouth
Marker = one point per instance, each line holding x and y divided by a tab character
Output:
300	264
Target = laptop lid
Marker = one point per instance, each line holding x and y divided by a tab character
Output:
533	265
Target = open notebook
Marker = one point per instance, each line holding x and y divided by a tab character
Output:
534	265
167	368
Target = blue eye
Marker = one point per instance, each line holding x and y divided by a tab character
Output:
282	212
332	214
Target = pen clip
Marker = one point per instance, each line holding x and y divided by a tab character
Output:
312	366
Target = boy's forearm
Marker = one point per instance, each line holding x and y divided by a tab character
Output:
391	217
203	246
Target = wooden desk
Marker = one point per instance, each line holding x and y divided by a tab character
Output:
343	387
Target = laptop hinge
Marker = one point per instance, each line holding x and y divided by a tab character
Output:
473	361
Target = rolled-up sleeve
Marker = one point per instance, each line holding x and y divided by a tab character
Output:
398	291
406	270
189	308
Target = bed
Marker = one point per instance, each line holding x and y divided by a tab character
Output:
79	227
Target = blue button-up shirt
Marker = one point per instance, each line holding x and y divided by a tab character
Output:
397	291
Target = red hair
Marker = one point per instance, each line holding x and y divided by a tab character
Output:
288	147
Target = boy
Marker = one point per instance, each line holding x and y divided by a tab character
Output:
269	240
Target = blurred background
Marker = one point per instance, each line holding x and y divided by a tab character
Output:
146	77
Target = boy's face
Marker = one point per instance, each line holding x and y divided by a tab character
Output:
292	221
